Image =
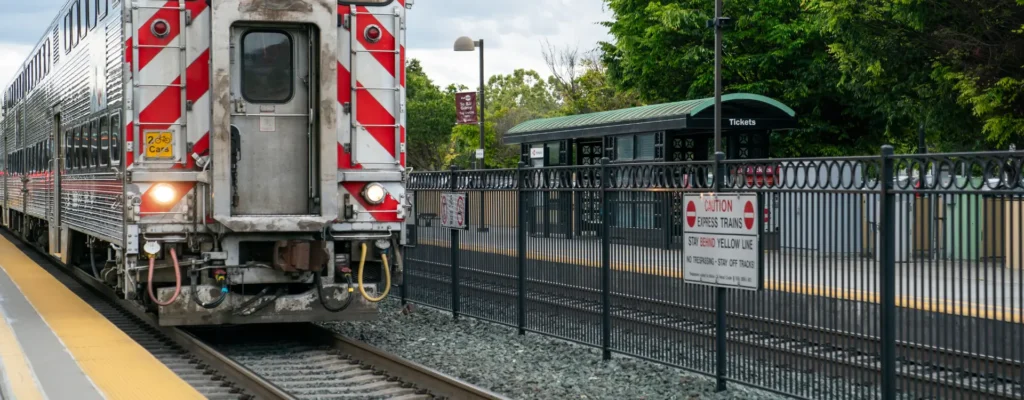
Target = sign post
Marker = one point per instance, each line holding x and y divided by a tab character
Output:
722	240
454	217
465	108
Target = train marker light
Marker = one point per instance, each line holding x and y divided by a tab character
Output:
160	28
373	33
163	193
374	193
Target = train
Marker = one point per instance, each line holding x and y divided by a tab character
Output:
216	162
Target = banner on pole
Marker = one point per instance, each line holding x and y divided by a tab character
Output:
465	108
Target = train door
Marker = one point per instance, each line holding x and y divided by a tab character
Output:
56	168
271	87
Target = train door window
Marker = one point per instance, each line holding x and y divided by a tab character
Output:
115	139
267	67
104	149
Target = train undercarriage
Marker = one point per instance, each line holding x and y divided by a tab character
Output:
208	279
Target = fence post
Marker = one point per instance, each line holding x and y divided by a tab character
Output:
411	232
521	252
887	281
720	292
606	265
455	254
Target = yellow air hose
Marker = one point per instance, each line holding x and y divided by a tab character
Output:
387	277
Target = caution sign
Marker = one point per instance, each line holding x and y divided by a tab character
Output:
453	211
721	240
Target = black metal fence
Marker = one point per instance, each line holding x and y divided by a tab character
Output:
884	276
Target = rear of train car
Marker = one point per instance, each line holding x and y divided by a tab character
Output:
219	162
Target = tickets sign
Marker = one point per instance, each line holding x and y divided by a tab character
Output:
721	240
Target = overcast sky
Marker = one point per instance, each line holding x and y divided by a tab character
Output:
513	33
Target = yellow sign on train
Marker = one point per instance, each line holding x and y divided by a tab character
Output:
158	144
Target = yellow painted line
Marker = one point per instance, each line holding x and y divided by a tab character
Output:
14	368
115	363
942	306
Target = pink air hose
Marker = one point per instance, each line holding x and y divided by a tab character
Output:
177	280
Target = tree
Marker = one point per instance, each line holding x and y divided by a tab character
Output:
858	73
430	117
581	83
665	52
957	65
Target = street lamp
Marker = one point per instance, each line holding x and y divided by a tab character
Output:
464	43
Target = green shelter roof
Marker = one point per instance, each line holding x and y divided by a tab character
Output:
739	111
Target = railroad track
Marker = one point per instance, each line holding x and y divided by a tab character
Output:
951	373
310	362
294	361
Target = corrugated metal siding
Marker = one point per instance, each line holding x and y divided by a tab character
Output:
90	200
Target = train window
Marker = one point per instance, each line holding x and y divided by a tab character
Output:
104	154
86	149
90	15
69	149
267	67
102	6
94	144
77	20
78	149
115	139
68	26
84	19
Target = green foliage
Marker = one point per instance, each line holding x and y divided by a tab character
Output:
430	117
859	73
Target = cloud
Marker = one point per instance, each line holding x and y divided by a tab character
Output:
513	33
22	26
11	58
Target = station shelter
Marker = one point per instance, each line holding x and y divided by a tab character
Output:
668	132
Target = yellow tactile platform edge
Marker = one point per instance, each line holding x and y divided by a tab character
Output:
115	363
14	366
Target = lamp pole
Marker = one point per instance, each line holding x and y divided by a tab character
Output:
466	44
718	75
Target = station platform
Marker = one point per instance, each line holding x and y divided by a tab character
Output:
53	345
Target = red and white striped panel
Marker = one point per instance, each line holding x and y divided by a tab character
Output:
375	146
161	105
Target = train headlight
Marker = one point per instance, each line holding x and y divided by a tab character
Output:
163	193
374	193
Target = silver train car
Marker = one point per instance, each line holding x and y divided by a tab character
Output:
218	162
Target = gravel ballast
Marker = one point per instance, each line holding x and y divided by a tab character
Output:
531	366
